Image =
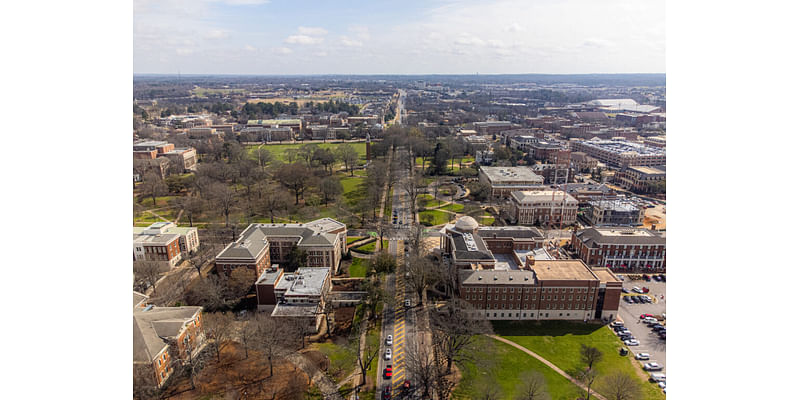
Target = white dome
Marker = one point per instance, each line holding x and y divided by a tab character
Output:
466	224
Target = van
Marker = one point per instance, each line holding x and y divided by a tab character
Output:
658	377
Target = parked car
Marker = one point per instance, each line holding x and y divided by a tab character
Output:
623	351
642	356
653	366
627	299
632	342
623	332
636	289
650	320
643	316
387	372
645	290
648	299
388	354
663	385
389	340
636	299
625	290
656	278
643	298
646	277
387	392
658	377
658	328
616	324
408	302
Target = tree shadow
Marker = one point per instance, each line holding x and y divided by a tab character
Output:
544	328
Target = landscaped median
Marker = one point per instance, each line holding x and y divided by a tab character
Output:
559	342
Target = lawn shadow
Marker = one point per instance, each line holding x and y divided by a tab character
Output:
544	328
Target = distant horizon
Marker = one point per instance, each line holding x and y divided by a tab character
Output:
399	74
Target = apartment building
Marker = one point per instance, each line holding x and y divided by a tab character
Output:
182	159
621	153
147	146
543	206
542	290
621	249
260	245
492	127
160	247
614	212
640	179
165	336
504	180
299	295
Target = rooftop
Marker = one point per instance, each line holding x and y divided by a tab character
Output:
655	170
153	325
495	277
511	174
618	205
305	281
562	270
624	147
255	237
295	310
523	196
594	237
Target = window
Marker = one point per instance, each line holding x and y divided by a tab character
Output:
548	297
526	297
504	290
480	297
570	297
504	297
497	297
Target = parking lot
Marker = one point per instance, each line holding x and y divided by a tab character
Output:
630	313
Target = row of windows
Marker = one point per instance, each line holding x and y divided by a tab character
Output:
524	315
512	290
519	297
558	306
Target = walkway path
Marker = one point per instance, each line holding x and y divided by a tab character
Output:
548	363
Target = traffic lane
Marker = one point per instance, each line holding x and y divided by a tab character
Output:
630	313
386	329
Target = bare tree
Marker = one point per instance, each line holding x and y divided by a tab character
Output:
590	355
144	382
274	199
296	177
621	386
224	198
263	156
348	155
271	337
208	293
148	272
413	186
488	391
192	206
153	186
421	368
218	328
587	376
455	331
421	273
533	386
370	351
240	282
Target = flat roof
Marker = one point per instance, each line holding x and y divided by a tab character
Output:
304	282
295	310
562	270
618	205
657	170
511	174
624	147
495	277
605	275
542	194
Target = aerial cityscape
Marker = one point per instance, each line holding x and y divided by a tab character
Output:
356	234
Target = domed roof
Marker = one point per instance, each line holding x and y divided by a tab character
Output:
466	224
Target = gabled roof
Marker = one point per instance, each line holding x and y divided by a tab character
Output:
153	327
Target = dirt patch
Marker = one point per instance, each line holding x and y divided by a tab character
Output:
235	377
350	285
344	319
317	358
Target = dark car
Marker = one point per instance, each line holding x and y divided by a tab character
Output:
663	277
624	290
656	278
636	299
619	328
646	277
387	372
627	299
387	392
623	351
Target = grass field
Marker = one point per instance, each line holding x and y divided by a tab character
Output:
486	220
343	359
351	239
500	365
358	269
437	217
454	207
279	150
560	341
372	247
204	92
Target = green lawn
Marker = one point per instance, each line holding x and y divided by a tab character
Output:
499	364
372	247
437	217
279	150
352	188
352	239
454	207
374	338
560	341
487	220
358	269
343	360
161	201
387	209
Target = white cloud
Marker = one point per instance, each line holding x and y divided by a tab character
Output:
350	42
303	39
249	48
514	28
283	50
311	31
217	34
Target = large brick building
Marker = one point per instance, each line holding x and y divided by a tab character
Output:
621	249
469	245
620	153
614	212
543	206
542	290
299	295
165	336
164	234
260	245
639	179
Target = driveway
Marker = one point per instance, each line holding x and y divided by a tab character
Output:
649	341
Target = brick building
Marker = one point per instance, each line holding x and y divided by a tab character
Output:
298	295
543	206
182	159
620	153
163	247
639	179
260	245
188	239
164	336
492	127
621	249
468	245
614	212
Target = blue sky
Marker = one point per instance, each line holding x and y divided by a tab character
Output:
398	37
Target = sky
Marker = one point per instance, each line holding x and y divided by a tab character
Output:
398	37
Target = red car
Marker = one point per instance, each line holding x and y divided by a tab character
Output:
387	393
645	289
643	316
387	372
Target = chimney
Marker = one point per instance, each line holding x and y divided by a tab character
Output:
529	261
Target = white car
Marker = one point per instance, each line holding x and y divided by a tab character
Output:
632	342
408	303
650	320
389	340
652	366
623	332
616	323
658	377
637	290
643	356
388	355
662	384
